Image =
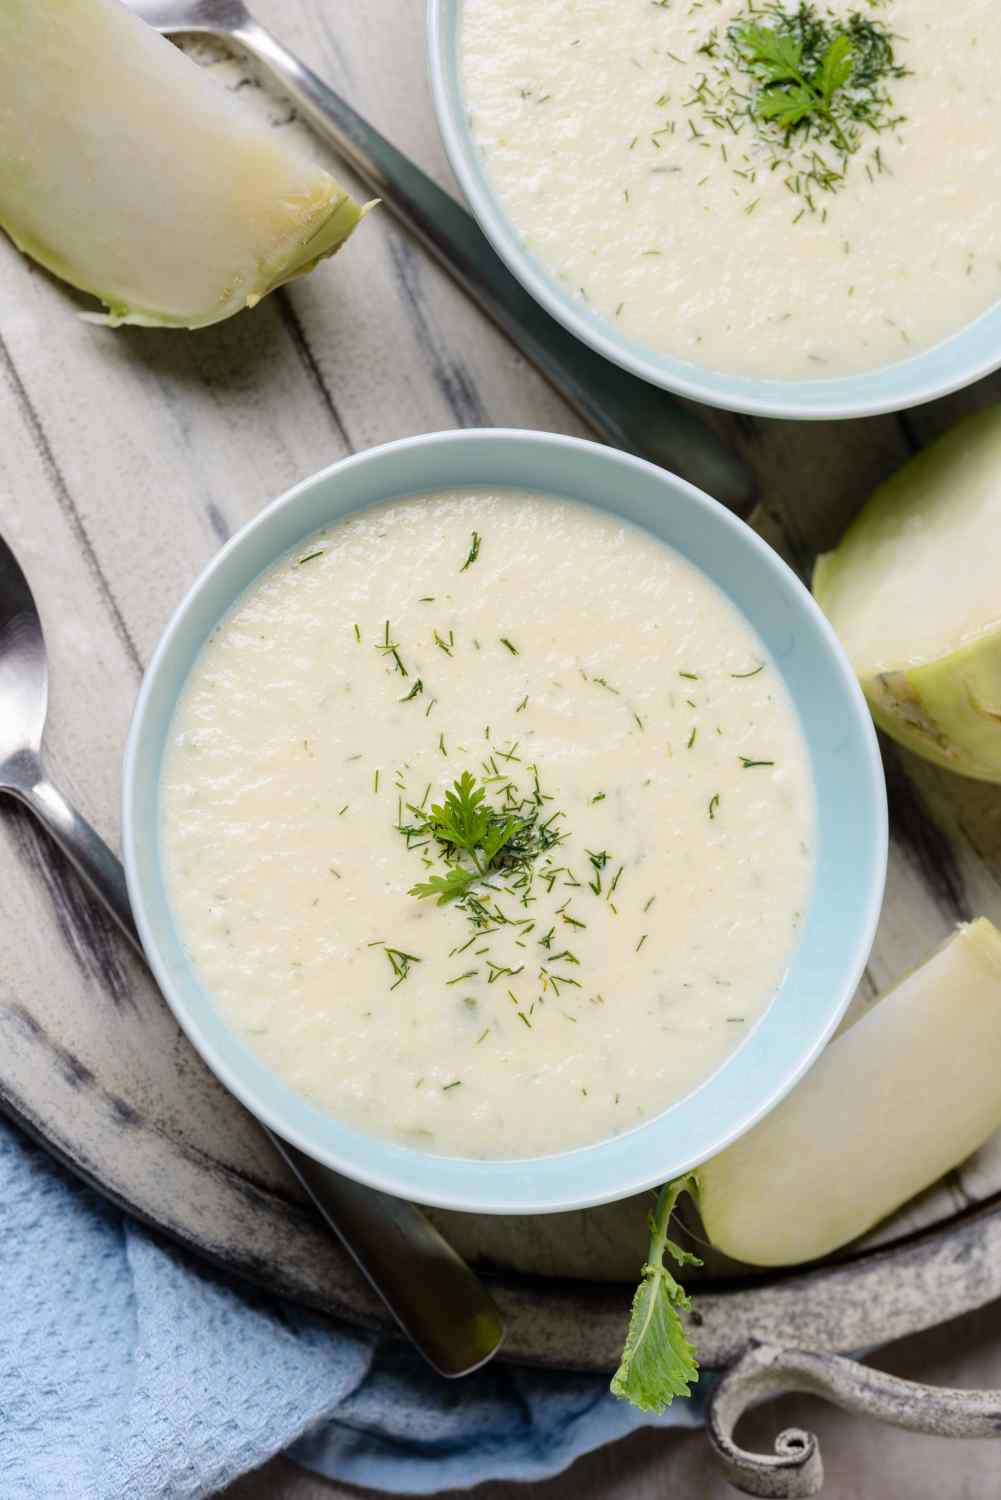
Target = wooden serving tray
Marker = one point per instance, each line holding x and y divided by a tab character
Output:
127	458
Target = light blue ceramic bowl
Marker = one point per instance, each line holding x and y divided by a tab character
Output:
973	352
851	836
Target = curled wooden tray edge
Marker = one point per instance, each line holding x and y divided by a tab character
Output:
795	1469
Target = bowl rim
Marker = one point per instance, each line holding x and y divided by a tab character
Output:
839	398
243	1076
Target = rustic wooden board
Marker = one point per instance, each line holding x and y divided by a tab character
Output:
125	459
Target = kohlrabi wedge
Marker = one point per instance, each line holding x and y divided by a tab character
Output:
914	592
899	1099
129	172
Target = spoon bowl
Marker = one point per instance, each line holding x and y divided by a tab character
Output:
24	675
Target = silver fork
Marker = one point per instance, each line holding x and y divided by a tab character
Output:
434	1296
622	409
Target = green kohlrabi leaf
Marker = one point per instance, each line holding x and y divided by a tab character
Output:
658	1362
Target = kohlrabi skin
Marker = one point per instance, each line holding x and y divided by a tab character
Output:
899	1099
914	592
129	172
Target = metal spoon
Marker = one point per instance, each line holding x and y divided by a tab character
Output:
429	1289
623	410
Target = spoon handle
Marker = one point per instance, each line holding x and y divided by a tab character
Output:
439	1303
625	411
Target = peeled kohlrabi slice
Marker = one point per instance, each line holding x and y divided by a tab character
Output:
914	592
127	171
899	1099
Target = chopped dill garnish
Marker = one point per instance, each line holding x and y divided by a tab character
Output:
642	941
692	676
309	556
510	646
488	847
474	552
418	687
691	737
522	705
399	962
442	645
357	635
759	668
749	764
498	970
388	647
456	1083
713	805
493	840
375	782
808	86
598	863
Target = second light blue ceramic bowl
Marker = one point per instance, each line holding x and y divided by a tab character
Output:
973	352
851	833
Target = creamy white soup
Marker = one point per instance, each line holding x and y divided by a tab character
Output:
769	189
488	823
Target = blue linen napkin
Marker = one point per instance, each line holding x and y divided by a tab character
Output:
130	1371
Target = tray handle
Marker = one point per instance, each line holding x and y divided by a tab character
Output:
796	1469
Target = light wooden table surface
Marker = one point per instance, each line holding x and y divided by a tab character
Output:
125	459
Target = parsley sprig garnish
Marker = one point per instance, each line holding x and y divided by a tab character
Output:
791	89
464	824
808	86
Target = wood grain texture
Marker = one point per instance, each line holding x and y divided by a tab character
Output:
126	458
